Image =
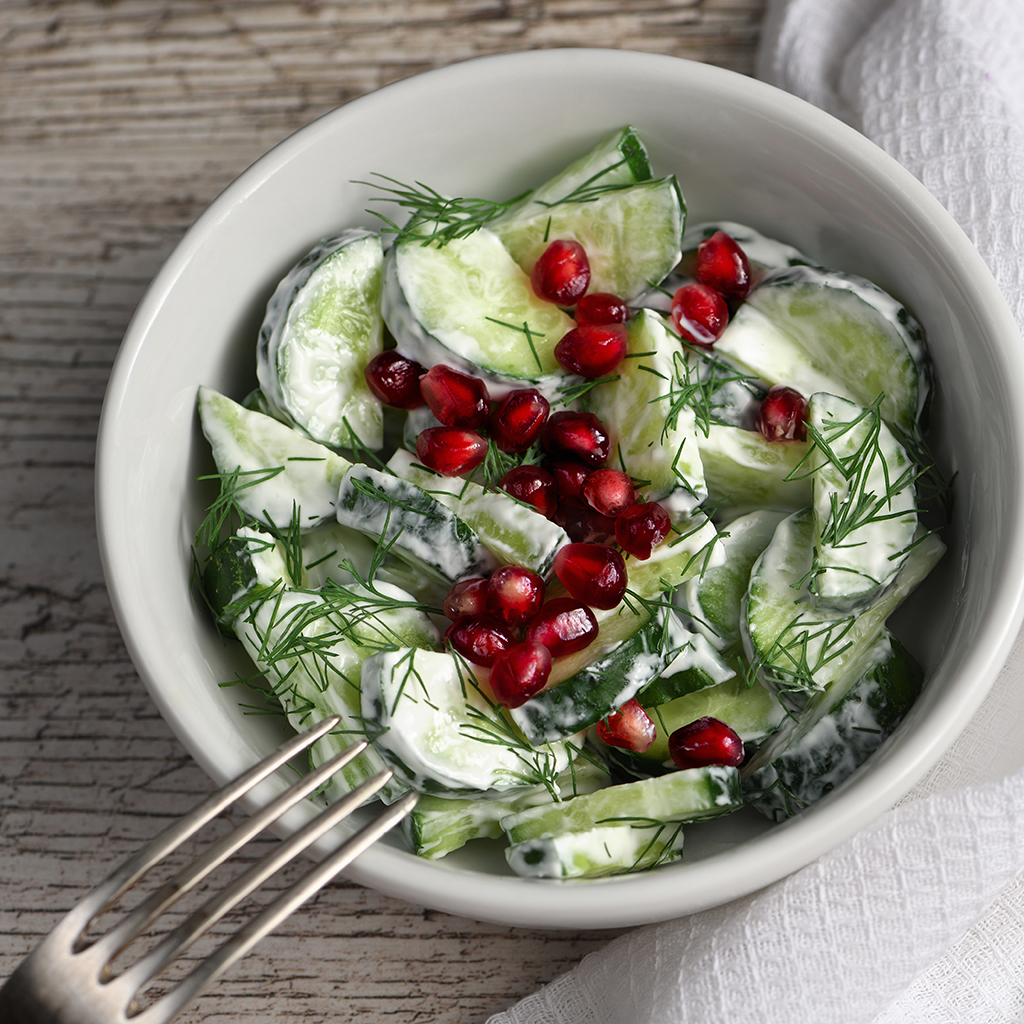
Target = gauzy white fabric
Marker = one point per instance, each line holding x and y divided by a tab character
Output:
919	918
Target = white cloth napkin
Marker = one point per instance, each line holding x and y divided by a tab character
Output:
919	918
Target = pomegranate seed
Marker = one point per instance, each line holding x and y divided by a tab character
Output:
593	349
579	435
723	265
569	478
601	308
514	594
563	626
561	273
520	673
467	598
585	526
781	415
534	486
609	492
456	399
593	573
479	639
699	313
450	451
641	528
518	420
395	380
706	741
630	728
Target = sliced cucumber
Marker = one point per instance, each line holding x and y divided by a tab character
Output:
865	502
513	532
697	666
817	330
440	734
632	235
834	740
323	325
412	525
744	471
798	647
469	305
653	438
270	470
696	794
714	599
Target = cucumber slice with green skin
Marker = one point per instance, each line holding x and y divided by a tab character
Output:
829	748
798	647
605	683
440	734
652	441
438	825
514	533
271	470
694	794
817	330
865	502
322	327
598	852
412	524
745	471
469	305
697	666
714	600
632	235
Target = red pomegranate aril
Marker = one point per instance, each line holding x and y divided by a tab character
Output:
514	594
450	451
641	528
781	415
593	573
520	673
699	314
562	272
518	420
703	742
468	598
479	639
534	486
601	308
592	350
395	380
577	435
569	478
723	265
585	526
456	399
629	728
609	492
563	626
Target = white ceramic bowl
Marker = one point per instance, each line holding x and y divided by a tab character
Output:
742	151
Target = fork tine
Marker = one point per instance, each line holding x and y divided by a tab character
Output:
166	1008
202	920
106	948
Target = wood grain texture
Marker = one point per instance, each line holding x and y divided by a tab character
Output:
119	122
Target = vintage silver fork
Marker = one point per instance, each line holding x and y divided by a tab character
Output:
67	978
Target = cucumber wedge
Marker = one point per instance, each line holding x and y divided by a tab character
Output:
817	330
632	235
322	327
653	438
413	525
514	533
269	469
469	305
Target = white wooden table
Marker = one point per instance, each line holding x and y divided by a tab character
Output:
120	120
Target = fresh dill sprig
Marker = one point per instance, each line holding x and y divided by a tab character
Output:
225	513
526	330
798	654
579	391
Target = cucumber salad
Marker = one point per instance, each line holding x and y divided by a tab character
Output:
588	520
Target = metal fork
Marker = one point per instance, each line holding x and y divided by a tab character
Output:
67	978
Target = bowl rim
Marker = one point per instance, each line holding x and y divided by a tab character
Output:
640	898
